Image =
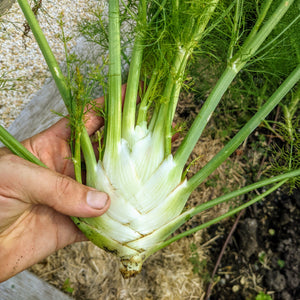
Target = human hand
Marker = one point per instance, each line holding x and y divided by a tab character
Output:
35	202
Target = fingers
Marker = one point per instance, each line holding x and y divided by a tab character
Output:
38	233
34	203
92	120
32	184
4	151
61	129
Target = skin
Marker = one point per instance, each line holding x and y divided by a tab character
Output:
36	202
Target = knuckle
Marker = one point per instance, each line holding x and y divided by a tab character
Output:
10	158
9	163
63	185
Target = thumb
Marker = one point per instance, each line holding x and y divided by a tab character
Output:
33	184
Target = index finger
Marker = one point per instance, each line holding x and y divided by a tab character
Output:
93	121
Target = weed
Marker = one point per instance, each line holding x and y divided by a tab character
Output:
199	266
263	296
66	287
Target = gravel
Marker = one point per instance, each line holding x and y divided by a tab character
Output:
21	63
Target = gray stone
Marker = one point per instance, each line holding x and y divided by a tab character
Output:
276	281
247	232
5	5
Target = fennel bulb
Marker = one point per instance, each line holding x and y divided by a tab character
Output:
147	184
146	192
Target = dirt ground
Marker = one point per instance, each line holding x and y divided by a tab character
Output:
264	253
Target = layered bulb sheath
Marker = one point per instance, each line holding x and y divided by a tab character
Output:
146	193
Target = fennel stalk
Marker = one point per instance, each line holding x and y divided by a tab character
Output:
145	181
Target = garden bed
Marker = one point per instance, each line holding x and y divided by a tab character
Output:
264	253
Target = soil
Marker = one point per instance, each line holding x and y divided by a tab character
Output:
264	252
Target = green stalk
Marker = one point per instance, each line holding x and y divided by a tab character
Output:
163	122
190	140
89	158
171	81
60	81
262	15
215	220
201	24
145	103
133	80
172	105
236	27
154	117
255	121
17	148
255	39
160	8
132	91
77	157
47	53
262	183
114	103
172	88
292	22
175	6
234	66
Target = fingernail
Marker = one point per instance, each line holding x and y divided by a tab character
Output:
96	200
